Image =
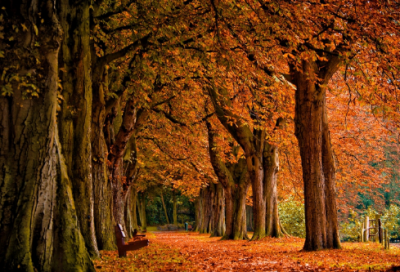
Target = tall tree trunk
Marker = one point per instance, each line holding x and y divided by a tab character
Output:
206	210
255	166
115	156
249	218
76	112
133	209
218	213
236	213
142	210
164	208
174	208
234	181
252	143
271	166
101	186
199	214
316	156
333	238
38	226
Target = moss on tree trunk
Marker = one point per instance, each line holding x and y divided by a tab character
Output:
38	222
75	119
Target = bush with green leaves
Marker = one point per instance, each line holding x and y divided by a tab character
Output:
351	229
292	217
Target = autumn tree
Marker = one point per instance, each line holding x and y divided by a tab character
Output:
234	178
39	223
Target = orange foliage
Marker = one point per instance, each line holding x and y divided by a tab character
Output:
178	251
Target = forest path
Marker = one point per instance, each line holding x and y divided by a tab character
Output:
190	251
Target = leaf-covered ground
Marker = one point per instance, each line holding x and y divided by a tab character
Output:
180	251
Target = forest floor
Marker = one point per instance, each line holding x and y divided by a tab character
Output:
189	251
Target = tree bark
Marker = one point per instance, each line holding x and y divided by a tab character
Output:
130	212
315	149
271	166
164	208
174	208
38	223
199	215
218	211
142	210
235	182
252	143
101	186
206	210
75	118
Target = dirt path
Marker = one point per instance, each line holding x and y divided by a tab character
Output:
180	251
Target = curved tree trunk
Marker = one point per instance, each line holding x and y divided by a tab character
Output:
76	113
234	181
252	143
316	156
38	223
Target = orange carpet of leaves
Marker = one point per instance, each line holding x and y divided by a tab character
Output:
180	251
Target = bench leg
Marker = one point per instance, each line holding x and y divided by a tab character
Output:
122	252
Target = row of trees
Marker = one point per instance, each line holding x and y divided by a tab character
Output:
99	98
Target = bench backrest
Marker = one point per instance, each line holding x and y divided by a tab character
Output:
120	234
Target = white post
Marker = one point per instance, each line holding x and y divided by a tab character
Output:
366	233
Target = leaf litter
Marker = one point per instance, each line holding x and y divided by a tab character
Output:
182	251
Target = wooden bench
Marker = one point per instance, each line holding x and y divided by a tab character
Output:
137	236
123	247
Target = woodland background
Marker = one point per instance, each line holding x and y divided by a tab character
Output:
152	112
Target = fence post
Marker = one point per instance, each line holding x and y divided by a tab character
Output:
366	233
362	232
387	239
380	231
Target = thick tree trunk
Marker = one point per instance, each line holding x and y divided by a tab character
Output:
255	167
75	121
236	213
240	225
317	162
234	181
252	143
206	210
104	221
38	225
101	186
271	166
218	211
333	238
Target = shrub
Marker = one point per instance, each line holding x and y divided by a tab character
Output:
292	217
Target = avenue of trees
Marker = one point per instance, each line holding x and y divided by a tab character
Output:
108	104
